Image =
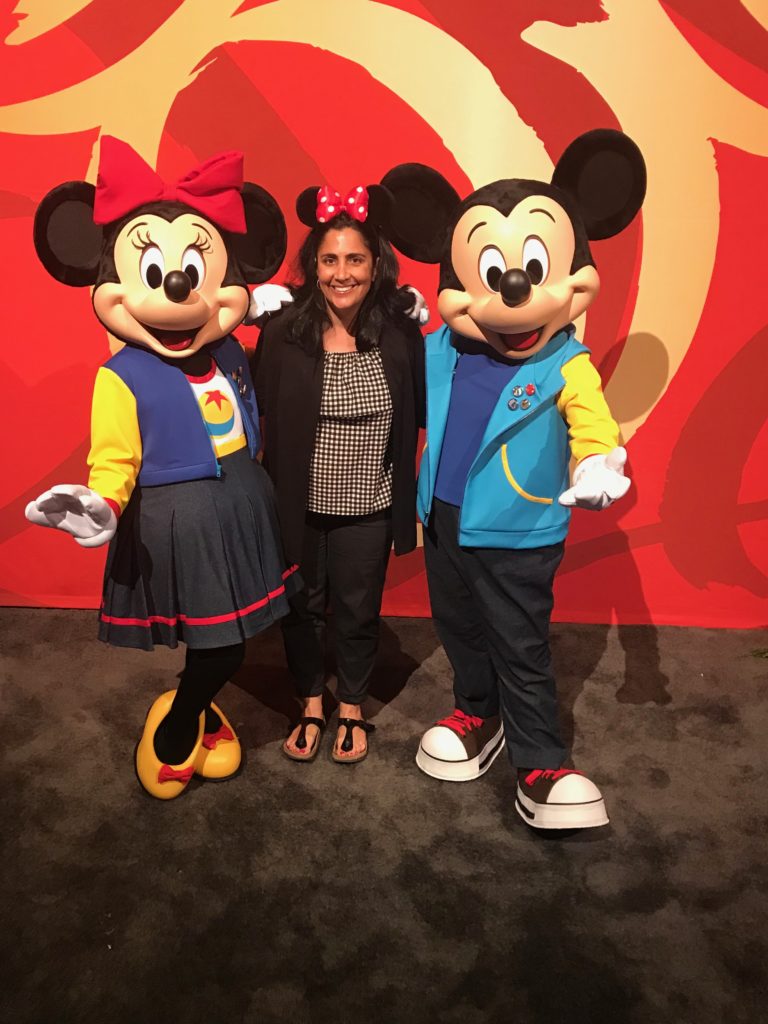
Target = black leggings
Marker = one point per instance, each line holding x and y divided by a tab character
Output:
205	672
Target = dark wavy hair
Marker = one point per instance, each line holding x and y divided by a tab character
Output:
384	301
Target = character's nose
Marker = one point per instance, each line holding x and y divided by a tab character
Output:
177	285
515	287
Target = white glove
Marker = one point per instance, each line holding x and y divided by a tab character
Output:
420	310
266	299
75	509
598	481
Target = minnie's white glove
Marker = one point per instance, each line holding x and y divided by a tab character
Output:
266	299
598	481
419	311
75	509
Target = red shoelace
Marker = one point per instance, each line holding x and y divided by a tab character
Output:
549	773
461	723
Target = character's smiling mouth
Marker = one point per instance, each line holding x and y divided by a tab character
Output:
521	342
177	341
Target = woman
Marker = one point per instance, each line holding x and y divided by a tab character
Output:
339	378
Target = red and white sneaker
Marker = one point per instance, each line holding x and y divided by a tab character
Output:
558	798
461	747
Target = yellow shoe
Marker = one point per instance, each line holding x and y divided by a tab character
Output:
164	781
220	754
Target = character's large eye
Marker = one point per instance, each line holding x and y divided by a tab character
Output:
152	267
535	260
491	266
193	265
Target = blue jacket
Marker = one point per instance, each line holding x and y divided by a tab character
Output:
175	444
522	465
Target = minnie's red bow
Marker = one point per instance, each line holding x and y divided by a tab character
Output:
126	182
330	203
169	774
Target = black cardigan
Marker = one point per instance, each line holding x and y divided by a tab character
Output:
288	385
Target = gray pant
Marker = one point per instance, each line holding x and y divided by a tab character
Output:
343	565
491	608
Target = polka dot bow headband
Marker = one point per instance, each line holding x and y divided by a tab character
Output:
330	203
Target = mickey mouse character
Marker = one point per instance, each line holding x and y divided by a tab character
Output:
511	395
195	553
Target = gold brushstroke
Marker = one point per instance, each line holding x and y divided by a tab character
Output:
673	105
40	16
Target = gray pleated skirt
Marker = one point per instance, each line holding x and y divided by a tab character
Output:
199	562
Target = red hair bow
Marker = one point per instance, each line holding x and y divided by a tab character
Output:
330	203
125	182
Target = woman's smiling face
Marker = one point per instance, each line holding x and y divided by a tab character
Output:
345	269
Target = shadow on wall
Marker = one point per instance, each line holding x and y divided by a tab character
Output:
700	512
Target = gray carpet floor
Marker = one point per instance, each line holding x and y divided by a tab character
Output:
313	893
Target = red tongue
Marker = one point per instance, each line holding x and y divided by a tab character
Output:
174	340
520	342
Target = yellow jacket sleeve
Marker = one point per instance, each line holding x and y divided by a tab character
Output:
115	455
592	429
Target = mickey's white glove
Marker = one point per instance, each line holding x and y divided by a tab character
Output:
598	481
266	299
75	509
419	311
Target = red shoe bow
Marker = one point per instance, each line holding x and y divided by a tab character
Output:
125	182
169	774
210	739
330	203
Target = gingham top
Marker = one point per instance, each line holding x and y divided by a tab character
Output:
350	472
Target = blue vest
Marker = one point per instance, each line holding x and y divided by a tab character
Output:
521	466
175	442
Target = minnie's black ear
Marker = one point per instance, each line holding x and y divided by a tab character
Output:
261	250
604	172
425	206
66	239
306	206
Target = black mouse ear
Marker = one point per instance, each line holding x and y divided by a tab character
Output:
604	172
425	206
261	250
306	206
381	207
66	239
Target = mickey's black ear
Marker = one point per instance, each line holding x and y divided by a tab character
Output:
66	239
261	250
604	172
425	208
381	207
306	206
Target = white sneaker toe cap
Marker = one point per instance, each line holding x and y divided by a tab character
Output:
443	744
574	789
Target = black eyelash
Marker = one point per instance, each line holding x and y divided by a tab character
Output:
141	243
202	243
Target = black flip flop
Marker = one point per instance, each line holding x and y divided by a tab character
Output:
347	742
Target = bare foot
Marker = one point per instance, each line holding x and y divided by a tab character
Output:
312	707
359	736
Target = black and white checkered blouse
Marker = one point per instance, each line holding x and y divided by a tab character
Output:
350	471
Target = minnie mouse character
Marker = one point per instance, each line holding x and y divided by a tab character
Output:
511	395
195	553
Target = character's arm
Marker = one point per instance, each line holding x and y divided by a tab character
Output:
598	479
90	513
